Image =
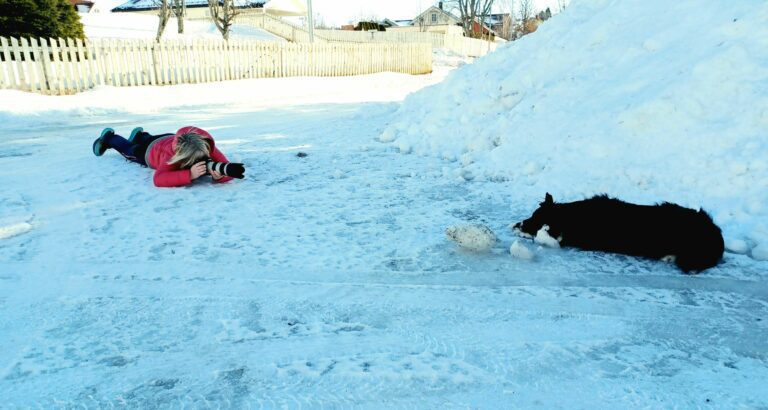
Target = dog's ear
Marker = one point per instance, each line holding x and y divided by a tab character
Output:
548	200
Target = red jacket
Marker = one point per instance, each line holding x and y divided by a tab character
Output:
161	151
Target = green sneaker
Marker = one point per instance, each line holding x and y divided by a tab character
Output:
136	131
100	145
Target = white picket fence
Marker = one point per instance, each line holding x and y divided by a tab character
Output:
434	39
471	47
458	44
66	66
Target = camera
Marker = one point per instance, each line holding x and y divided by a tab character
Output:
230	169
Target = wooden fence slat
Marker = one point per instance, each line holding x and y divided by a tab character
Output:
55	76
130	62
74	69
186	62
163	62
203	54
19	65
139	63
196	61
7	74
173	62
30	67
113	78
41	58
122	62
148	64
66	67
33	65
85	64
35	60
110	71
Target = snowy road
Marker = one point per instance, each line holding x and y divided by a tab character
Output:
326	281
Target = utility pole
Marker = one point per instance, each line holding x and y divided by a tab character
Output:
311	21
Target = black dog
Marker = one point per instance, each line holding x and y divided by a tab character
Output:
664	231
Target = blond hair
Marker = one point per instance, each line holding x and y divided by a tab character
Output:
190	149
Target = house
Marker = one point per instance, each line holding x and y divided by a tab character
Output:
439	20
195	8
480	29
435	19
436	16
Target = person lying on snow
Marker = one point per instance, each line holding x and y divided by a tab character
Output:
178	159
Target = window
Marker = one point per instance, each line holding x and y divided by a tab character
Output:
434	17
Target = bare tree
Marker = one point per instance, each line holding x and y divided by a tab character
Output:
223	13
561	5
471	11
525	15
163	14
179	8
320	22
525	10
421	21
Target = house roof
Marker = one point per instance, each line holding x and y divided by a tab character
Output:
139	5
439	10
388	23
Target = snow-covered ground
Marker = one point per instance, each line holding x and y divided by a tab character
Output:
136	25
327	281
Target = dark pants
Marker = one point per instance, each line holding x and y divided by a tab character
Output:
135	151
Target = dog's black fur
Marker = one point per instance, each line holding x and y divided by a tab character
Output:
606	224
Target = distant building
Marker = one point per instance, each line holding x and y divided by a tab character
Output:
436	16
439	20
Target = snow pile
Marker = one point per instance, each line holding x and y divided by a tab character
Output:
646	100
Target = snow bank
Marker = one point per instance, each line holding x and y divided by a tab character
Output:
646	100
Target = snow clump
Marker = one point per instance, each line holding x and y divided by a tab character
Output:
476	238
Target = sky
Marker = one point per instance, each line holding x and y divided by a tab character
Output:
337	12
